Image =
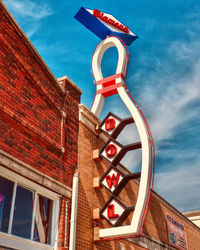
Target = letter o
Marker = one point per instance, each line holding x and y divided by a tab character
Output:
111	150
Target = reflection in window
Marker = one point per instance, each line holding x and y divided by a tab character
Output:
22	219
6	192
25	213
43	220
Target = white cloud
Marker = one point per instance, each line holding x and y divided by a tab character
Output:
172	109
32	29
28	8
170	96
166	95
168	103
180	186
29	14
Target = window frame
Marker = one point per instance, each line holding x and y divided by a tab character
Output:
7	239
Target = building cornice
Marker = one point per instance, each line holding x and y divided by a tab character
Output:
34	175
70	81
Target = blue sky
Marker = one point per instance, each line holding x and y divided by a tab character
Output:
163	75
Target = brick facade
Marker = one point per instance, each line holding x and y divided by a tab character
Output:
38	118
90	198
37	124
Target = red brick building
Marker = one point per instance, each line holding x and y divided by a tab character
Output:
38	144
45	137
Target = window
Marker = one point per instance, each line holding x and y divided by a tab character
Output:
27	212
43	220
23	212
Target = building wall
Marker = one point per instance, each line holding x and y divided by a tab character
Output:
33	127
38	119
90	198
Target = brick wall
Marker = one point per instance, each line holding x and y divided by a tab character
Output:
155	228
39	117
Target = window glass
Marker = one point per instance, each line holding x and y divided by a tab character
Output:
22	212
22	218
43	220
6	191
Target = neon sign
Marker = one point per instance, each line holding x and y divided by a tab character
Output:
114	211
104	25
110	21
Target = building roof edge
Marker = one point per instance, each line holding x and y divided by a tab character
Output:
31	46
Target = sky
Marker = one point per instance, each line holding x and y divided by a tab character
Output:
163	76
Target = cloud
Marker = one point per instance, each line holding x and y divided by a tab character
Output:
28	14
179	186
168	92
168	105
32	29
29	8
169	96
173	110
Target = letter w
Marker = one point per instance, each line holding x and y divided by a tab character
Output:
112	180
